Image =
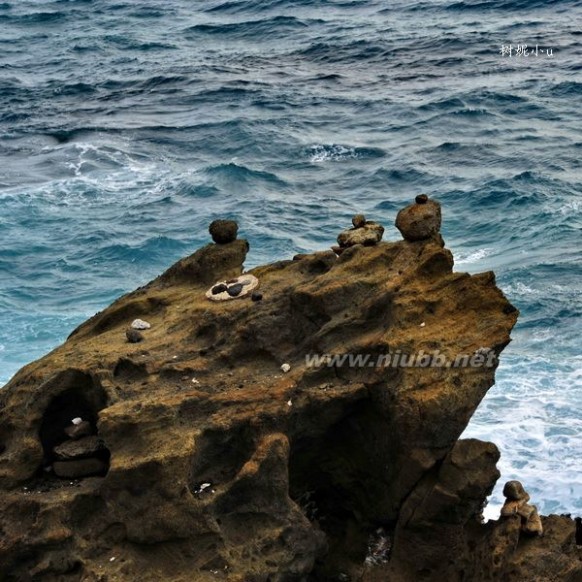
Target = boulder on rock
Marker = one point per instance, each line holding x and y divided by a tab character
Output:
223	231
365	232
421	220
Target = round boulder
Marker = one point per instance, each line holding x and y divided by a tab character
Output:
133	336
359	220
420	220
223	231
514	491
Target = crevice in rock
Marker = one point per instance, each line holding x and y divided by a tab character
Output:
333	481
68	430
127	370
219	456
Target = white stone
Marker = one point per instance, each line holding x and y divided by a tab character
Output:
195	381
285	368
422	324
289	403
140	324
76	421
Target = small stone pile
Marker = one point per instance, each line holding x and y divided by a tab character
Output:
83	454
421	220
364	232
516	503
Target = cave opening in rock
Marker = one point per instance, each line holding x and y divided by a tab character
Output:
68	431
335	479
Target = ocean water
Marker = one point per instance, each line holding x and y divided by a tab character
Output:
127	126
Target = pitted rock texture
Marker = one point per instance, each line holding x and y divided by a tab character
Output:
223	467
420	220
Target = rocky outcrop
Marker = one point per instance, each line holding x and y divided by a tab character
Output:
221	464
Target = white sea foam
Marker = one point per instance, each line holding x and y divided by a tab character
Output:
569	208
331	153
519	289
534	415
473	256
99	172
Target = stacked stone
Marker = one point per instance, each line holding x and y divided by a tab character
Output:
364	232
223	231
82	455
421	220
516	503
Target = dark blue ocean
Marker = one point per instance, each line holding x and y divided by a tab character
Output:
126	127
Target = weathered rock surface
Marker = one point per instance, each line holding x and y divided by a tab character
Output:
78	468
223	478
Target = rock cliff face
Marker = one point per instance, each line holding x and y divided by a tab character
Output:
194	456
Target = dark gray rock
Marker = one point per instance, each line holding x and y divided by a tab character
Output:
76	449
78	468
223	231
133	336
235	290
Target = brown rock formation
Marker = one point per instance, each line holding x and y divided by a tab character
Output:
420	220
365	232
223	467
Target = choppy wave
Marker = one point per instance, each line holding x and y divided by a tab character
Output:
338	153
